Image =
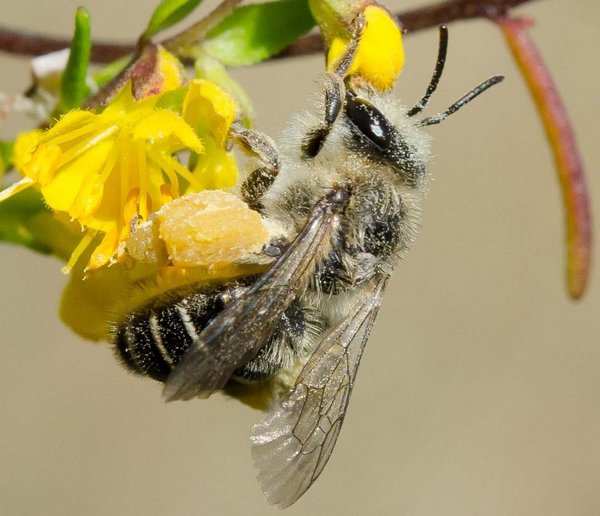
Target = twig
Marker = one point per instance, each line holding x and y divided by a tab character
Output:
22	43
419	19
197	31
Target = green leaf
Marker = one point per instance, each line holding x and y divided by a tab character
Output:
15	215
6	150
74	89
168	13
111	70
256	32
173	99
25	220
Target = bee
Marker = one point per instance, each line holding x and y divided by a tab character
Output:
347	187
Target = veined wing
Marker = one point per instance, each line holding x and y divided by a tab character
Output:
236	335
293	444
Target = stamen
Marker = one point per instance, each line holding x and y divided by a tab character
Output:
173	180
166	162
142	170
15	188
73	134
79	250
77	150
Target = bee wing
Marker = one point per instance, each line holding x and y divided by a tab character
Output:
292	445
236	335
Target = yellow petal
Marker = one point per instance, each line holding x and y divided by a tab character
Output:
61	192
103	253
124	103
169	130
71	125
209	109
171	70
87	304
43	163
216	169
24	147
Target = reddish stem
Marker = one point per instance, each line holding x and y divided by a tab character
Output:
564	147
21	43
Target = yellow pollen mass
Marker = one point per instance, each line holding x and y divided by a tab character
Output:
211	228
380	55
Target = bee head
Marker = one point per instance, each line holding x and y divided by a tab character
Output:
377	129
388	140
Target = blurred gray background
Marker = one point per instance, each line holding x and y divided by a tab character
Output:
479	392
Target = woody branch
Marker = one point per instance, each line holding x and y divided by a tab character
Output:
21	43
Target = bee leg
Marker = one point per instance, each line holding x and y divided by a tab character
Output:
366	268
345	61
335	93
263	149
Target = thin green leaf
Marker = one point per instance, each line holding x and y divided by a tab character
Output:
74	89
15	215
168	13
6	150
569	165
172	100
111	70
256	32
26	221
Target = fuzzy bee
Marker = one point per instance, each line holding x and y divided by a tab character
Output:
347	190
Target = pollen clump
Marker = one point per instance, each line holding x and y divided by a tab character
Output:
380	55
210	229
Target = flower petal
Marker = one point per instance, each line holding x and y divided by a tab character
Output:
103	253
24	147
209	109
216	169
86	304
68	123
167	129
61	192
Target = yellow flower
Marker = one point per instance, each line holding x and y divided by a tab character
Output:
87	305
211	111
110	170
380	55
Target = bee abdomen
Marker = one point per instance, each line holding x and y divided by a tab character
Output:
151	340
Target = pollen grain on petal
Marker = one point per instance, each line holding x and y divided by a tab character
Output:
110	170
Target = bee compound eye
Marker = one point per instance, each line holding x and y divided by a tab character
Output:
369	121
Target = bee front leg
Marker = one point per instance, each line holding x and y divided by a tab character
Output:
262	148
335	93
344	62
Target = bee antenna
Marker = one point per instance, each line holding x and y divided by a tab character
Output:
463	101
437	73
